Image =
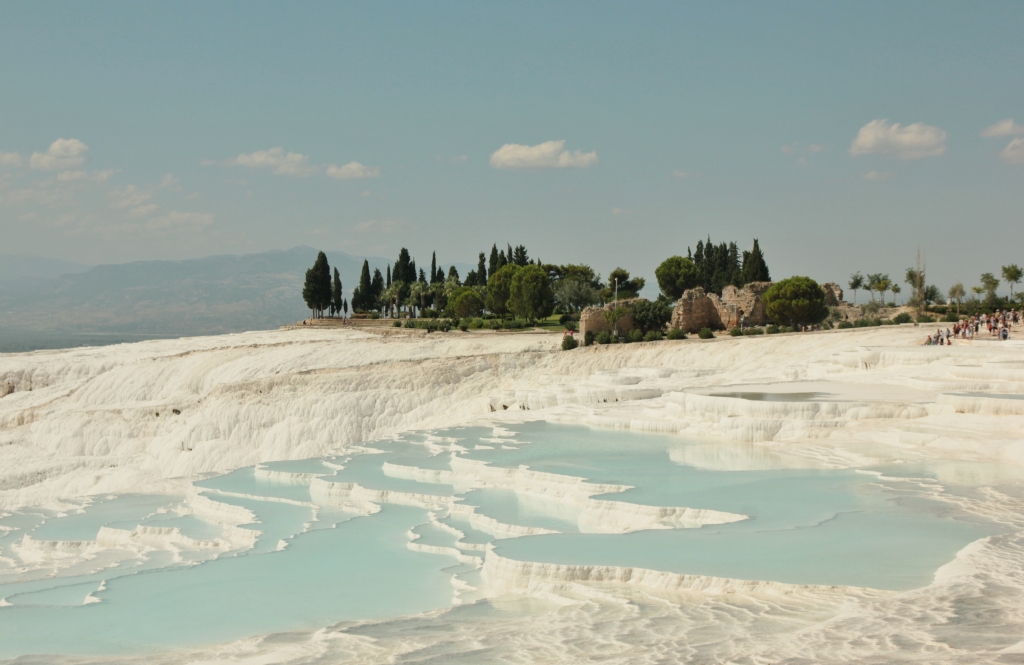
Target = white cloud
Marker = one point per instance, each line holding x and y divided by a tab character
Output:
547	155
278	161
1003	128
10	159
143	210
62	154
789	149
911	142
878	175
1013	153
352	170
684	175
168	181
816	147
129	197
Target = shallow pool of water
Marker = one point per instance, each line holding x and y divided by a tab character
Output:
421	534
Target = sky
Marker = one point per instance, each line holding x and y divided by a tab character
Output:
845	136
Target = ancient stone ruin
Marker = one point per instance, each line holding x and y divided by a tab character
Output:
833	294
736	306
593	319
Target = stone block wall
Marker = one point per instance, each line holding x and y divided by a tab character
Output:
592	319
697	309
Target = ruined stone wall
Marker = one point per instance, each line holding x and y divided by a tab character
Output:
833	294
592	319
696	309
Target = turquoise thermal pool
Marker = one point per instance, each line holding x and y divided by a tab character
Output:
403	526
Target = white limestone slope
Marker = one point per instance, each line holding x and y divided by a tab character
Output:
148	416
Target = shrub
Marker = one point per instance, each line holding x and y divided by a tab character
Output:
570	326
634	335
951	317
566	318
843	325
753	331
867	323
772	329
677	333
604	337
469	304
651	314
736	332
652	336
396	324
787	329
410	323
569	343
464	328
705	333
924	318
902	317
588	339
795	301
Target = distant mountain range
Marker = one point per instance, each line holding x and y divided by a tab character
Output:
42	308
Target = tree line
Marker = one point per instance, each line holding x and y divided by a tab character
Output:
506	282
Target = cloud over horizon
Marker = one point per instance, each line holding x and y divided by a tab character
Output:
62	154
547	155
278	161
912	141
1003	128
352	170
1014	152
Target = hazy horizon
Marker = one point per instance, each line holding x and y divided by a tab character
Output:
842	136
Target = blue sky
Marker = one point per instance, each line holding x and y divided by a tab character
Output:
843	135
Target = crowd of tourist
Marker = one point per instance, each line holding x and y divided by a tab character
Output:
996	325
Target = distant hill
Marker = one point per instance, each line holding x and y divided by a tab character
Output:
211	295
15	267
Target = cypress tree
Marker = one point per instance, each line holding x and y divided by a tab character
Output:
389	276
452	272
423	276
481	270
502	261
520	257
362	297
433	267
336	298
754	267
439	276
492	264
376	287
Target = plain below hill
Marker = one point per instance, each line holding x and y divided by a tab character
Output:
152	299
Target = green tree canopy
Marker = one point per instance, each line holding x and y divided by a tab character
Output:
628	288
468	304
530	295
499	289
363	296
754	268
651	315
675	275
336	297
1012	274
316	290
795	301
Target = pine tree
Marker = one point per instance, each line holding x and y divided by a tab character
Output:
502	261
452	272
423	276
